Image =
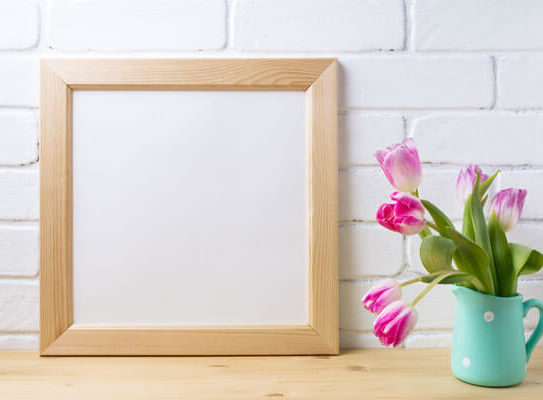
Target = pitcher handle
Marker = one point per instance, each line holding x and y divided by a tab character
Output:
538	332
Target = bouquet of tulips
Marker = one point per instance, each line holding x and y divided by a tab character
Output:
480	257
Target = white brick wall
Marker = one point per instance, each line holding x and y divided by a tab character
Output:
18	25
136	24
18	137
445	72
318	25
416	82
478	25
520	82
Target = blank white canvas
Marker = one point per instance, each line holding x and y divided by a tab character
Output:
189	207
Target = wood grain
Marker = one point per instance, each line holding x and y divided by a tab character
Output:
421	374
189	74
168	340
55	208
323	228
58	335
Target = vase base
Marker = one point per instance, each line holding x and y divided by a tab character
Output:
481	383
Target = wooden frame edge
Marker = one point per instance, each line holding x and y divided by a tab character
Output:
58	335
190	74
322	115
110	341
55	207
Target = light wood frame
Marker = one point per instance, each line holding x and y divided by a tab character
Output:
59	77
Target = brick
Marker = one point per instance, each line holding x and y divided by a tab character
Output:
429	339
520	82
480	139
137	25
367	250
361	192
354	339
19	249
530	180
18	25
19	341
439	187
426	339
19	81
360	136
19	194
19	304
416	82
478	25
318	25
18	137
351	314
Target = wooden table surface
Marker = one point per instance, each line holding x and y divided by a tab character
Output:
355	374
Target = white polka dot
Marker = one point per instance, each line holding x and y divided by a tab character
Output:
489	316
466	362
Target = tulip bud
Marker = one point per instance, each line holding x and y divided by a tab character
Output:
395	323
507	205
465	181
405	215
381	295
401	165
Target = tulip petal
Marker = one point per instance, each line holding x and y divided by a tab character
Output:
407	205
466	179
381	295
409	225
401	165
508	205
395	323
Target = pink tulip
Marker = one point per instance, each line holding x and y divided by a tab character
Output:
508	205
401	165
465	181
395	323
405	216
381	295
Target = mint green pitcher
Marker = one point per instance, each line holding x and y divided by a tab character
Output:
488	342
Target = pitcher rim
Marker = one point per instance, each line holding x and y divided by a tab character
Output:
518	296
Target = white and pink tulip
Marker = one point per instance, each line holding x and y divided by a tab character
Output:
401	165
508	205
381	295
466	180
395	323
405	215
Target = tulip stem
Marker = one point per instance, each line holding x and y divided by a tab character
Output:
411	281
432	225
431	286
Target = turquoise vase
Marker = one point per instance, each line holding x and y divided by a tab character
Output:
488	342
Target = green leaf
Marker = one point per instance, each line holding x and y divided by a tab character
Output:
436	253
441	221
472	259
486	184
525	260
507	278
480	230
459	278
467	223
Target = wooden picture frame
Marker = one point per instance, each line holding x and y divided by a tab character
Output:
59	78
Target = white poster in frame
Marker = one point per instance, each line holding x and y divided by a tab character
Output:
188	207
